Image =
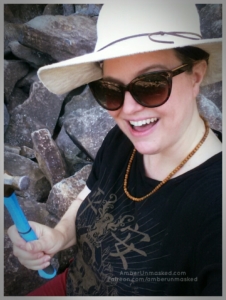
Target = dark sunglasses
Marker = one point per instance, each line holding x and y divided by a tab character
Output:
149	90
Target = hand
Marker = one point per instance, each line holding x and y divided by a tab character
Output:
36	255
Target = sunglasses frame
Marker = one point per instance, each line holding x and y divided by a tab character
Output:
167	74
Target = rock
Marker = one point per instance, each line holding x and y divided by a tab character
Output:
8	15
18	165
88	128
12	149
69	9
214	93
79	103
21	13
86	122
211	21
88	9
34	58
53	9
40	110
62	37
69	151
12	32
17	97
210	111
6	118
66	191
27	152
28	80
13	71
48	156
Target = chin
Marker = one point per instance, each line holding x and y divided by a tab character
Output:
145	149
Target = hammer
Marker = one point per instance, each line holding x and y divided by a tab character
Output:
12	183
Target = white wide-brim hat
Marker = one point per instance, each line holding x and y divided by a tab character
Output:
131	27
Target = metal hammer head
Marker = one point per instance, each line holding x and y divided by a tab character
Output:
12	183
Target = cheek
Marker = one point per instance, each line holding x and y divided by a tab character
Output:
114	114
184	92
181	103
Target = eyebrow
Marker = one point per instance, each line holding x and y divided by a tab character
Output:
156	67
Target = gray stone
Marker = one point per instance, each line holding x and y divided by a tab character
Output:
53	9
69	9
17	97
88	9
48	156
6	118
66	191
211	21
40	110
86	122
29	79
13	71
66	145
12	149
214	93
69	151
89	127
18	165
210	111
78	103
12	32
34	58
62	37
27	152
21	13
8	15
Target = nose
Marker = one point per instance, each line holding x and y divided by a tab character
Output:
130	106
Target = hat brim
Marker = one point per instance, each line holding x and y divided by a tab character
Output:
64	76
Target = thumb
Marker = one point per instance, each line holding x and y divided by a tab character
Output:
35	246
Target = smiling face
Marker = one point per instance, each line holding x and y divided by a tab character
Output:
153	130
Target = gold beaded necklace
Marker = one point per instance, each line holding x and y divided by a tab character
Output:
170	175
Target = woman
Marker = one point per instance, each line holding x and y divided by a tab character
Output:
148	221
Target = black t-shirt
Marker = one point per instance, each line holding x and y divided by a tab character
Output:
168	244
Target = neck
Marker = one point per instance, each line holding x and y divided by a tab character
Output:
159	165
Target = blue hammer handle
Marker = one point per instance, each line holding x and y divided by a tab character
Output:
24	229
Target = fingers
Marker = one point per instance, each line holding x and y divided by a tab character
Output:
35	246
17	240
34	261
15	237
29	254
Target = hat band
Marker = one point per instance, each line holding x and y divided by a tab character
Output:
182	34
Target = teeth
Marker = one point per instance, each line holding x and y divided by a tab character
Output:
143	122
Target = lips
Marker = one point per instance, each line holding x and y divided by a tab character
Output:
143	125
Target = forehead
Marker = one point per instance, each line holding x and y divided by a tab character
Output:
128	67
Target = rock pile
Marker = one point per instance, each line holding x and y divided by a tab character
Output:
54	139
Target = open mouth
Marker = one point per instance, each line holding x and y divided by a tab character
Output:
143	125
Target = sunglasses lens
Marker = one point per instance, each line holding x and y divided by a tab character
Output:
151	90
107	94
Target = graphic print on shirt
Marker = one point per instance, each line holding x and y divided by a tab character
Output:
105	224
112	243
